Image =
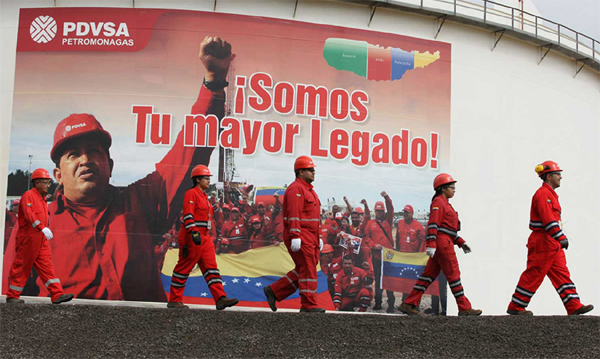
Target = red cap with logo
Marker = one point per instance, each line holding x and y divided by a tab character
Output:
409	208
379	206
255	219
225	241
77	125
358	210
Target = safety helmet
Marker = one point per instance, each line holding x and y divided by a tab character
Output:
379	206
40	173
77	125
358	210
303	162
442	179
255	219
409	208
235	209
200	170
225	241
327	248
547	166
261	204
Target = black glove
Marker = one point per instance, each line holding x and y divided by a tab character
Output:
184	251
564	243
196	238
466	248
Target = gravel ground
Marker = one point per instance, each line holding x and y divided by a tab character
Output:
84	331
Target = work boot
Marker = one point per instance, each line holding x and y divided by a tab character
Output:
225	302
519	312
584	309
177	305
14	301
312	310
377	307
470	312
408	309
390	309
64	298
271	299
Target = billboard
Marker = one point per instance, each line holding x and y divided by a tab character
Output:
372	109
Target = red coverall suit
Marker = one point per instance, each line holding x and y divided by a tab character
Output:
33	248
301	216
107	252
351	290
376	235
410	238
442	233
237	235
197	214
545	257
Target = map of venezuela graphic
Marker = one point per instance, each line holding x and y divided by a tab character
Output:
373	61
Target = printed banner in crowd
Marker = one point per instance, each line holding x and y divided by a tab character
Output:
120	104
244	277
401	270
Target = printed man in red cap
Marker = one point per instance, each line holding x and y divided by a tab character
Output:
235	230
11	220
302	217
410	236
103	245
379	233
32	246
352	287
546	244
196	246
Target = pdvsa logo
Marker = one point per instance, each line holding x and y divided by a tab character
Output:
42	29
69	128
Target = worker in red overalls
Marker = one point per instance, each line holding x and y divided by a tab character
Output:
546	256
442	235
259	238
32	249
301	215
351	288
378	232
410	236
235	230
196	246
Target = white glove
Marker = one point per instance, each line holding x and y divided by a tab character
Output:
296	242
430	252
48	233
320	244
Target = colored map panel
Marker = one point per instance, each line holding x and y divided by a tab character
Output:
348	55
380	63
401	61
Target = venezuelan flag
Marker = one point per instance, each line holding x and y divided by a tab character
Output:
401	270
244	277
265	194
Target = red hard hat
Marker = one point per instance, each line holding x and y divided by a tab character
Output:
235	209
547	166
358	210
327	248
40	173
225	241
379	206
77	125
303	162
261	204
442	179
409	208
255	219
200	170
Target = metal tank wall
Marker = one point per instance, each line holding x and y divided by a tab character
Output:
508	114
